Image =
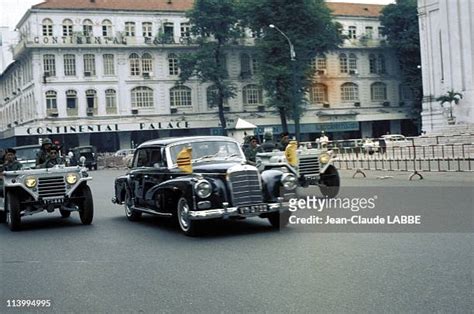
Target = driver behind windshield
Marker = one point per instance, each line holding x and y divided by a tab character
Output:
52	158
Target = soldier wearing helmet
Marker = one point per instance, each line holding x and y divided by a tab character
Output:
269	145
44	151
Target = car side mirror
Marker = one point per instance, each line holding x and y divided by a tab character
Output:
82	160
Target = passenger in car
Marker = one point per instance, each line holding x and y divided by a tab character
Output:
52	159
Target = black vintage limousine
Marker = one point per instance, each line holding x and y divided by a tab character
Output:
196	178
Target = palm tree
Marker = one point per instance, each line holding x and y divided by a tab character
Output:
450	97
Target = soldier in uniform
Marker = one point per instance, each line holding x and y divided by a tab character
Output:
252	150
43	153
269	145
10	162
284	140
52	159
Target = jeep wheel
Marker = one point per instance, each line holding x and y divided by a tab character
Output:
279	220
13	216
65	213
86	210
330	182
188	226
131	214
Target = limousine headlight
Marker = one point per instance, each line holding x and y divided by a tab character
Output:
203	188
289	181
30	182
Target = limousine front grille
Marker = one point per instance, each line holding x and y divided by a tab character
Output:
246	188
51	187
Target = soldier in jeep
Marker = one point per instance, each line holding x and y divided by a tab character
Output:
43	153
52	158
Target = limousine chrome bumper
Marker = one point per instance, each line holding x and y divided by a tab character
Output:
240	211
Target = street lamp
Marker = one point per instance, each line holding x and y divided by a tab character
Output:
296	116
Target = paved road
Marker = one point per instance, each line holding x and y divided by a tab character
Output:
118	266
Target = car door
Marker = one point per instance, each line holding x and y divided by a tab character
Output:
139	171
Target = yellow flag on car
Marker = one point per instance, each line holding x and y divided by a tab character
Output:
290	153
184	160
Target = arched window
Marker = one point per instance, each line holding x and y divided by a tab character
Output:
71	102
180	96
212	94
372	64
110	100
349	92
147	63
252	95
134	64
87	27
67	28
47	27
343	63
318	93
142	97
91	99
378	91
106	28
173	64
353	63
51	100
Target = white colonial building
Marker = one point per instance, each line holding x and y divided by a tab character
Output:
105	72
447	54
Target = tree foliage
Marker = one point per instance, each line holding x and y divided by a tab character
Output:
215	25
400	22
309	25
450	97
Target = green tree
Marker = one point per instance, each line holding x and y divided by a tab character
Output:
400	22
309	26
215	25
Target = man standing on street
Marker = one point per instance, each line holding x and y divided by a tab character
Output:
252	150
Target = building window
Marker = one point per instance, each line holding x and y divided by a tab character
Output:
168	32
130	29
134	64
47	27
69	65
67	28
381	64
87	27
106	28
353	63
252	95
352	33
349	92
147	64
212	95
89	65
369	32
147	29
406	93
110	100
185	30
380	31
142	97
343	63
109	65
51	100
49	65
180	96
245	66
378	91
71	102
173	64
372	64
320	62
318	93
91	100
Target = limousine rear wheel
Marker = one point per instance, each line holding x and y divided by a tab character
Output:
187	225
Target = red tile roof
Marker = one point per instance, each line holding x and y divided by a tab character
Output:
338	8
137	5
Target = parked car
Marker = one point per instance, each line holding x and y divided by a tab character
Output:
312	166
191	179
369	146
124	152
32	191
395	139
89	152
26	155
